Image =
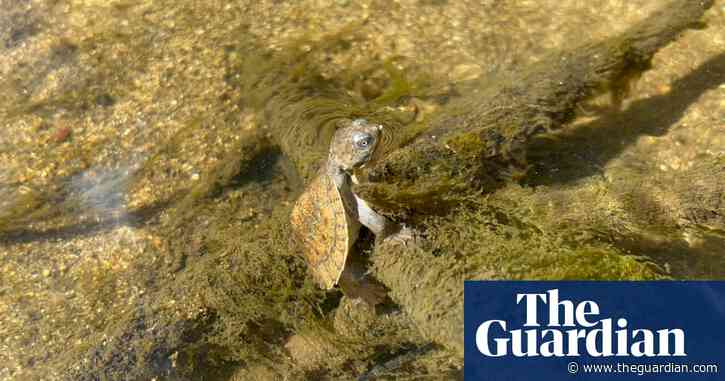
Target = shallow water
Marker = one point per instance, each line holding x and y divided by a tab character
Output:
143	202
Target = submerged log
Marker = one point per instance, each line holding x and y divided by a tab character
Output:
471	146
474	143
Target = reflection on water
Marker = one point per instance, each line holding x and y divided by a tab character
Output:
102	191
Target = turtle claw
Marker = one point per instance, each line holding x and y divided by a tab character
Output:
403	237
371	293
362	288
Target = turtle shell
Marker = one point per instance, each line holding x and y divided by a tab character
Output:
325	230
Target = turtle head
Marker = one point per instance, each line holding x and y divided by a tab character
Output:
354	143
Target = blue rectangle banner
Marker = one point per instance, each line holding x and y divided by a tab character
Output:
579	330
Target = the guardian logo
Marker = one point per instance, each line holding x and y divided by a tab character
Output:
567	329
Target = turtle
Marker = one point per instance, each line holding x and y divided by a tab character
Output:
327	216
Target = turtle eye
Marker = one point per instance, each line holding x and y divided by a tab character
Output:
362	140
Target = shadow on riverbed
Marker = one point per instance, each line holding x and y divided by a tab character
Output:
95	208
582	151
675	216
135	218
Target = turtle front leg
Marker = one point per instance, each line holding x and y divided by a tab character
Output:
382	227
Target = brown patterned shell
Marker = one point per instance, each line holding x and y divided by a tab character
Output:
325	230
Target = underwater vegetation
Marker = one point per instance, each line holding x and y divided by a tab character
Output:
496	173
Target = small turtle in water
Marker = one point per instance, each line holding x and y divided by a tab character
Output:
327	217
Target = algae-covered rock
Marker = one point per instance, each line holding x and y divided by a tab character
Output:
156	149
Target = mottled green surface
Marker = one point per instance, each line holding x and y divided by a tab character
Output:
151	153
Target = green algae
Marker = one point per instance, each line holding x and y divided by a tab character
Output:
485	241
258	291
231	292
520	245
238	293
300	106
